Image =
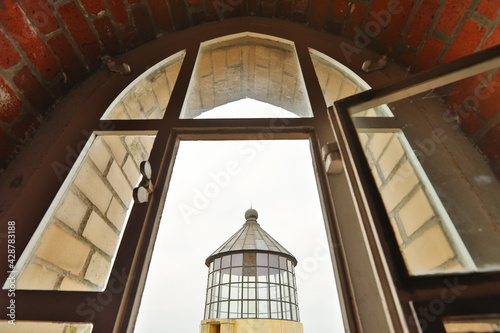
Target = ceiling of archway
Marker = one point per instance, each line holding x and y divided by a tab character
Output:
48	46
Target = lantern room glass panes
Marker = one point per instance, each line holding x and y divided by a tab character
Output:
253	285
247	66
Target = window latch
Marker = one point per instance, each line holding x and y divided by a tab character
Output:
145	188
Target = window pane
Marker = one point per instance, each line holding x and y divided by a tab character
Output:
225	275
283	262
224	292
274	275
262	291
226	261
263	309
273	260
252	66
78	237
223	310
262	274
147	96
249	259
237	259
262	259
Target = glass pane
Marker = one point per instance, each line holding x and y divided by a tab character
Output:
262	274
338	82
466	324
262	291
439	190
147	96
24	326
273	260
77	239
249	259
274	275
282	262
263	309
262	259
247	66
237	259
225	275
236	274
223	310
224	292
226	261
217	263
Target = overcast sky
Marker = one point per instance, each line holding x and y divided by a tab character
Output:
213	184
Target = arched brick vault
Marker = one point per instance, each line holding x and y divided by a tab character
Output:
48	46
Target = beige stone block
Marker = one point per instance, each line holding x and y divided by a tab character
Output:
118	112
93	187
416	212
36	277
290	64
117	148
467	327
219	64
275	93
62	250
207	92
194	100
348	89
391	156
160	88
99	154
245	60
71	211
262	56
32	326
261	83
428	251
70	284
276	69
234	56
136	149
332	90
98	270
147	142
220	93
156	114
119	183
131	171
234	84
379	142
403	181
133	107
100	234
172	71
397	232
322	74
116	214
147	100
204	64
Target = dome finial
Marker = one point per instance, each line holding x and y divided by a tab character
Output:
251	214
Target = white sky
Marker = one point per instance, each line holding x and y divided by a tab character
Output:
213	184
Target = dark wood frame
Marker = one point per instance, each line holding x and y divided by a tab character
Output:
483	290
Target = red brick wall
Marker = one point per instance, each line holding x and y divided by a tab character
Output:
47	46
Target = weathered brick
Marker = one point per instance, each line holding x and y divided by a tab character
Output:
355	19
142	22
317	14
377	19
466	42
488	97
16	22
41	14
283	9
338	9
62	250
300	5
70	62
100	234
33	90
129	40
421	22
429	54
28	124
9	103
93	6
119	12
7	148
8	53
469	122
161	15
451	15
107	35
194	3
493	39
36	277
489	8
490	143
462	90
81	33
180	18
399	14
406	56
